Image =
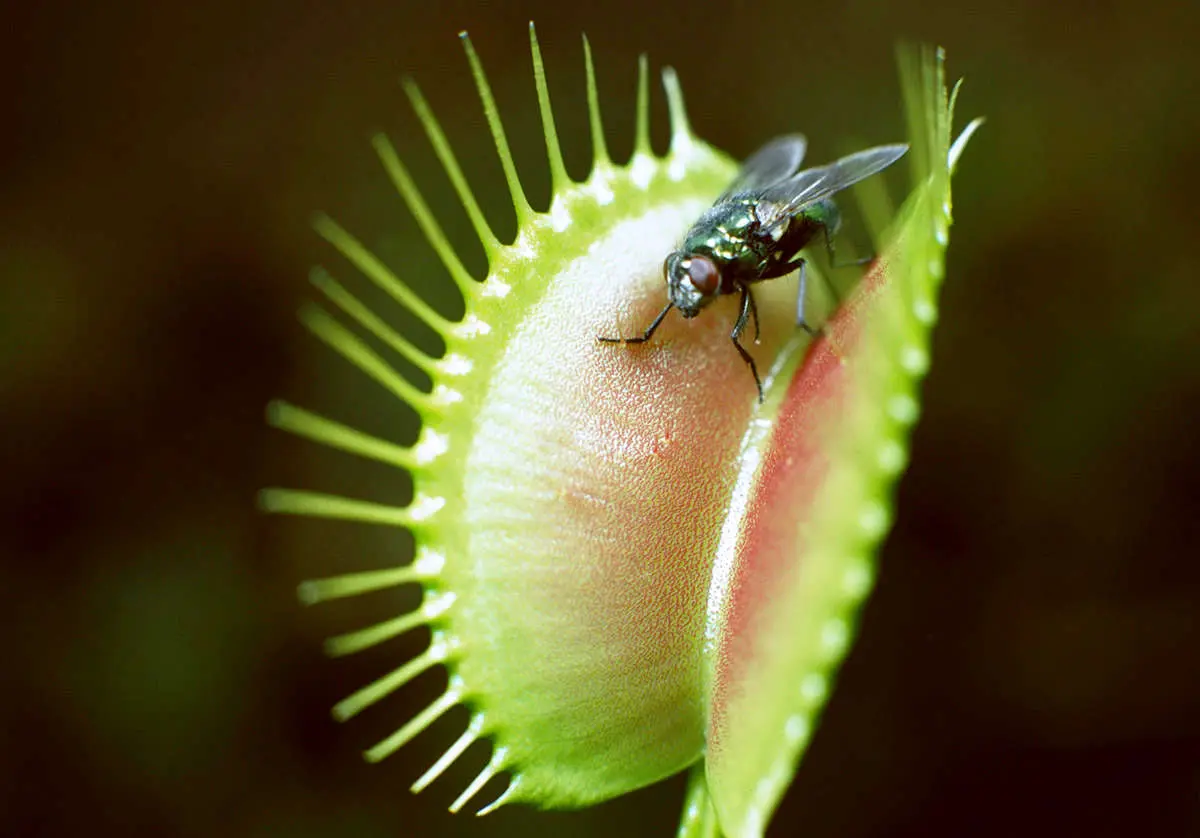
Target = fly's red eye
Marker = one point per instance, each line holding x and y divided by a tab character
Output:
703	274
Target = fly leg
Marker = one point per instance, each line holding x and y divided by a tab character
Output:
800	321
837	298
743	317
645	335
753	312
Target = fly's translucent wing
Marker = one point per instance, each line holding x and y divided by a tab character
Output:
774	162
820	182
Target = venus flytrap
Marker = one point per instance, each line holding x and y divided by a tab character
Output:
629	566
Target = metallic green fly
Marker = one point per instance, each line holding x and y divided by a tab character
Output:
756	230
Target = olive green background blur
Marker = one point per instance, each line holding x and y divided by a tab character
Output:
1029	664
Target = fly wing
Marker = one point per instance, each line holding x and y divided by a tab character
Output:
775	162
814	184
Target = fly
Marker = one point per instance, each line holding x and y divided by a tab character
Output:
756	230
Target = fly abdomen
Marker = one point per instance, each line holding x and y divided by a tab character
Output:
820	219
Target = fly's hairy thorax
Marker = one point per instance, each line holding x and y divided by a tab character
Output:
724	231
732	234
752	240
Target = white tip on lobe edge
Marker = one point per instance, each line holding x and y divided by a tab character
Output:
560	216
429	562
873	519
924	311
424	507
914	360
797	729
600	188
903	408
813	687
641	170
834	636
471	326
857	579
891	457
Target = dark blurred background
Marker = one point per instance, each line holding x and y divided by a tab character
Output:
1030	663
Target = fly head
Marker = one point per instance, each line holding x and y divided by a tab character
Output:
693	281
